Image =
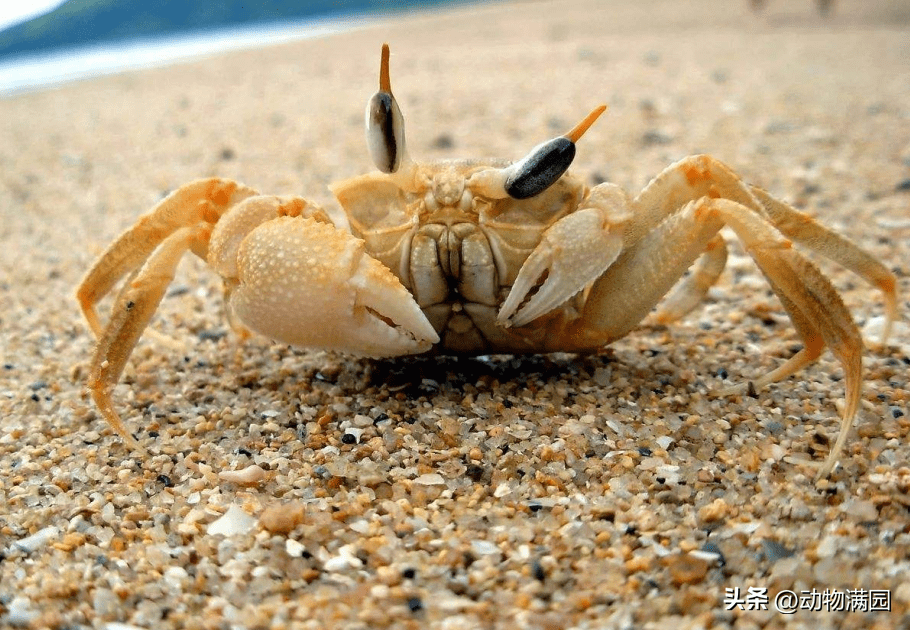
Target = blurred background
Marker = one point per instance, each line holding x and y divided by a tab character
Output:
49	42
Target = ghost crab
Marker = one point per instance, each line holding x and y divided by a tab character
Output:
475	257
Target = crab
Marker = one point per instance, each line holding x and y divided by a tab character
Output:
476	257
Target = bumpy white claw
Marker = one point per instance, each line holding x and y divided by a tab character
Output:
307	283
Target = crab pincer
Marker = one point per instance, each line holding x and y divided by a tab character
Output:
307	283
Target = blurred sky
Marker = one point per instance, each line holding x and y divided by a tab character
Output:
13	11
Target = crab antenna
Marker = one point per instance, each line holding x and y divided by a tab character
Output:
384	84
579	129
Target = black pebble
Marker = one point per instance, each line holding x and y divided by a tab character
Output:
415	604
166	481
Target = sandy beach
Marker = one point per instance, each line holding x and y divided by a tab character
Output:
286	488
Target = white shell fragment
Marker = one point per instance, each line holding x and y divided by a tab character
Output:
234	521
20	612
37	540
430	479
484	547
251	475
294	548
344	560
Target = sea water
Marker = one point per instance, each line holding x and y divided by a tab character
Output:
37	71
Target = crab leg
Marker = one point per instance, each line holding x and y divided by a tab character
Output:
131	314
807	231
691	291
202	201
807	291
813	344
703	176
639	278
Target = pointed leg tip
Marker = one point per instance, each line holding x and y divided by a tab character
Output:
825	471
748	388
106	407
135	446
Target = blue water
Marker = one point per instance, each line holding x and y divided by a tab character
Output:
39	71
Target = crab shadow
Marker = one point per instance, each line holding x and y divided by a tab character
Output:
428	375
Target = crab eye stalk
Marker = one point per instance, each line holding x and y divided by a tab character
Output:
384	123
546	162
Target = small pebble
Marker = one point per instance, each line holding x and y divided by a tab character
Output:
684	568
282	518
664	441
775	551
484	547
415	604
176	577
715	511
710	549
294	548
864	511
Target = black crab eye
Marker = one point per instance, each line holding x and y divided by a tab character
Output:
546	162
384	123
540	168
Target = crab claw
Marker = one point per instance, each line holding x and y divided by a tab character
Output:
306	283
573	252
